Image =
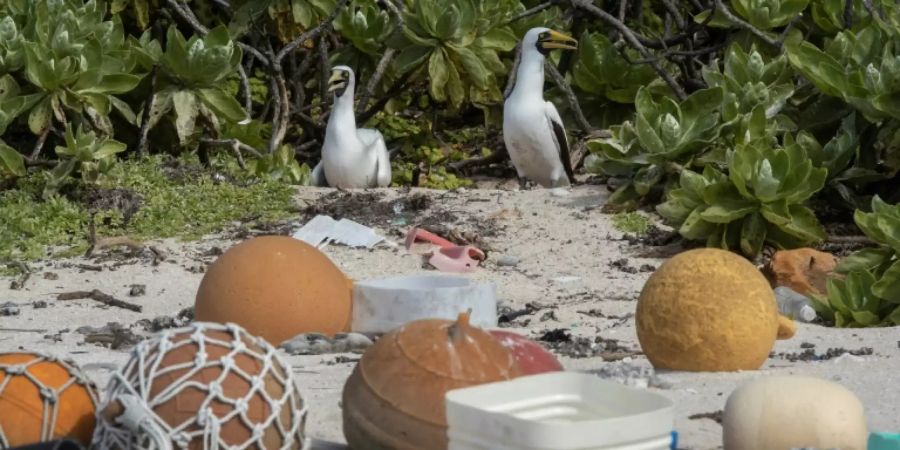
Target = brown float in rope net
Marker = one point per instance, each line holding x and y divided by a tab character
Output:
206	386
44	398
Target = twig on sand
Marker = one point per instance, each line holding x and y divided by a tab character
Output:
101	297
23	330
850	240
19	283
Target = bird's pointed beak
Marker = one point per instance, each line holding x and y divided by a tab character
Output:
555	40
337	81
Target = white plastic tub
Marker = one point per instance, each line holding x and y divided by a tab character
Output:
381	305
558	411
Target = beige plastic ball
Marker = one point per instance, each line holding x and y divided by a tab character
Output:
708	310
787	411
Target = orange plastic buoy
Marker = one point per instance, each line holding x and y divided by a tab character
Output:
42	399
276	287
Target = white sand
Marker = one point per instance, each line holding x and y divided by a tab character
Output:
565	253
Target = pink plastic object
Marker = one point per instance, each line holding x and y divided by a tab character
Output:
449	257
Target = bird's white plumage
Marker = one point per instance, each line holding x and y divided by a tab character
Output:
351	157
531	139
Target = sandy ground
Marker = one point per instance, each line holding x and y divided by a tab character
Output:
565	247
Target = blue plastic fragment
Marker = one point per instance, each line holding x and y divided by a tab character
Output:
884	441
674	445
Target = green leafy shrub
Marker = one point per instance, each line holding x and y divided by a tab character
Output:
759	201
602	70
85	153
665	138
74	59
868	294
458	41
196	70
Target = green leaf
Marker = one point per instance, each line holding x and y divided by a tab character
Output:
804	224
472	65
141	10
647	136
455	89
888	286
499	38
439	75
647	177
222	104
109	148
40	116
701	104
410	57
115	84
819	67
765	185
694	227
724	214
11	161
187	108
867	259
124	109
894	317
753	234
865	318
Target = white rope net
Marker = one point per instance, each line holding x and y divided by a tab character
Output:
49	395
205	386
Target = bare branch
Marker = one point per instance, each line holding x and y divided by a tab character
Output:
308	35
848	13
383	63
145	117
39	145
400	85
676	14
236	144
670	53
629	36
573	101
375	79
497	156
306	145
245	90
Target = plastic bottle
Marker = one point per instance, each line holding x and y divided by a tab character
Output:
793	304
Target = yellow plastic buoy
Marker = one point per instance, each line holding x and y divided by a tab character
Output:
708	310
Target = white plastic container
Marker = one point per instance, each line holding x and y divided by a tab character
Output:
558	411
381	305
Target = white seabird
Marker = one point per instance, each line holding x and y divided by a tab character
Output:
351	157
534	133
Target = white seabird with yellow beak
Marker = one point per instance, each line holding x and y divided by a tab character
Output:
534	133
351	157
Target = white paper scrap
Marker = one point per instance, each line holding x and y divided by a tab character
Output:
322	230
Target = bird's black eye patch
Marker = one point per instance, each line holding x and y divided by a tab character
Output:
544	35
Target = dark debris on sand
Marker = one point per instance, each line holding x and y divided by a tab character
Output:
562	342
716	416
183	318
809	354
369	208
